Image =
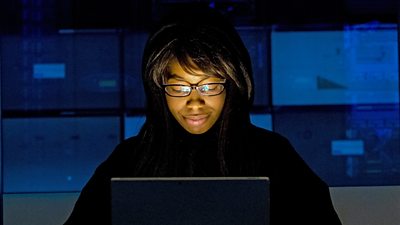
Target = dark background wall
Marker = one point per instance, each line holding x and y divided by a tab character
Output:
57	128
70	75
137	14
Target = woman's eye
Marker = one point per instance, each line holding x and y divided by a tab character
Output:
208	87
180	89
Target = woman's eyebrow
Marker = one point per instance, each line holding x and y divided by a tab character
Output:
180	78
174	76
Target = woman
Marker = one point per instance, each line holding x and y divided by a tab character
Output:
198	82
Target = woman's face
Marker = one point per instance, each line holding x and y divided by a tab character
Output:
196	113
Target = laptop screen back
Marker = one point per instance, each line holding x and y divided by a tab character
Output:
190	201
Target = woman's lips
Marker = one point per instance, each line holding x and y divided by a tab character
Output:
196	120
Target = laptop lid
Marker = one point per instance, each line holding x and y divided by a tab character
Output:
190	201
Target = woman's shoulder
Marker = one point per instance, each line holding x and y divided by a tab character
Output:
129	142
127	145
124	150
120	158
263	135
271	143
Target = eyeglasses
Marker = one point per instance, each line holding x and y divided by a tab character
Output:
181	90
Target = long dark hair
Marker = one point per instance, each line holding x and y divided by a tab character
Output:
213	44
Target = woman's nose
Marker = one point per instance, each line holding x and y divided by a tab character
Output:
195	98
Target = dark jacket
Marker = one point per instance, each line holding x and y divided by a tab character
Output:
297	193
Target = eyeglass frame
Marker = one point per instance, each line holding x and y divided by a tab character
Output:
194	86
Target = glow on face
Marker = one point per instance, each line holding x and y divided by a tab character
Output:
195	113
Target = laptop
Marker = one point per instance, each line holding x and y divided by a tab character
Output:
190	201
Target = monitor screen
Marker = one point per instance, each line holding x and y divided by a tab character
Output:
356	146
60	71
55	154
133	49
256	40
355	65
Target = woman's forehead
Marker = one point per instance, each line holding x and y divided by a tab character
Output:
179	72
